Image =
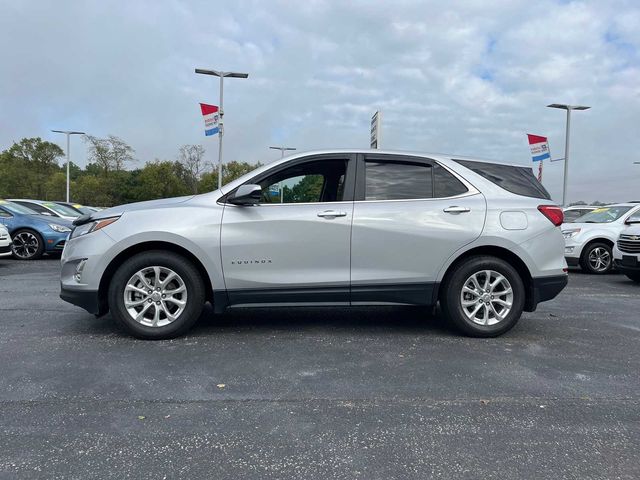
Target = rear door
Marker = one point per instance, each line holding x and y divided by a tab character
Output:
410	215
294	246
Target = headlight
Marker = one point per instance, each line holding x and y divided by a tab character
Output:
567	234
59	228
92	226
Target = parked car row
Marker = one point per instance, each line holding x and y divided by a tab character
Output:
604	238
35	227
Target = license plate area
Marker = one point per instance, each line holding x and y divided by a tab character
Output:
629	261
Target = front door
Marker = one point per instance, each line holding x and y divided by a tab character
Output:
293	247
410	215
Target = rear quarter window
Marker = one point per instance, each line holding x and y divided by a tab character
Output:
518	180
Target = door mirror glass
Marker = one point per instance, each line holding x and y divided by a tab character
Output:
246	195
635	218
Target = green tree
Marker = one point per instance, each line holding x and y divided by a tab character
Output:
29	164
110	154
159	179
230	171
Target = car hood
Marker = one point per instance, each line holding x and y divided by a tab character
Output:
129	207
47	219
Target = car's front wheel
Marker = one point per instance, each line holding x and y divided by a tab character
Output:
156	295
27	245
483	296
597	258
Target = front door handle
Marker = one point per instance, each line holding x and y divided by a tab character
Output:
332	213
456	209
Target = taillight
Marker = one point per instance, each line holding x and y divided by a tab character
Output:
553	213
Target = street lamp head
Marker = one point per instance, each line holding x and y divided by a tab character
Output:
217	73
568	107
69	132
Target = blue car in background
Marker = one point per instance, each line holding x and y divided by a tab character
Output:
33	234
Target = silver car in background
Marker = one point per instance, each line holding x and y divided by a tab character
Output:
355	227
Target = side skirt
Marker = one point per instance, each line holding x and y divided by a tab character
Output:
380	294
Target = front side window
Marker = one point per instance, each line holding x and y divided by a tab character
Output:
16	208
36	208
397	181
315	181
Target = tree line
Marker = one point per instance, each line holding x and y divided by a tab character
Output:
33	168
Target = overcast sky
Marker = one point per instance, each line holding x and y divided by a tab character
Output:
468	77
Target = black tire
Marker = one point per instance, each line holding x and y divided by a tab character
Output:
450	297
193	282
635	276
585	263
36	248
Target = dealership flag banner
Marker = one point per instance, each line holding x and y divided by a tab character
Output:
211	119
539	147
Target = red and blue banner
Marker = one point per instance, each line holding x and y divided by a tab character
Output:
211	119
539	147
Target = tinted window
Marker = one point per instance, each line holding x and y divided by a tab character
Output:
4	214
316	181
445	184
15	208
36	208
397	181
518	180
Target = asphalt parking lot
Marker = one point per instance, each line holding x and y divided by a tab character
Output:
319	393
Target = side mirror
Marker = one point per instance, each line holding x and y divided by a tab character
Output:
633	219
246	195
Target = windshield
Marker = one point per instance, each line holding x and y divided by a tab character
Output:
62	210
17	209
603	215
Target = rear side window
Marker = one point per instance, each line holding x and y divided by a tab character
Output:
397	181
445	184
518	180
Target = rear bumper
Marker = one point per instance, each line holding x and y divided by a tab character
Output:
546	288
87	299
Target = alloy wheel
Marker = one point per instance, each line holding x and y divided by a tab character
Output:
486	297
155	296
600	259
25	245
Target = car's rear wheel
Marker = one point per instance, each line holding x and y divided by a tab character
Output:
483	296
27	245
597	258
633	276
156	295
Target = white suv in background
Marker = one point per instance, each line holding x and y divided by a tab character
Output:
5	242
626	252
327	228
589	240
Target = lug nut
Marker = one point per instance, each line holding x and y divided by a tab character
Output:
163	295
157	303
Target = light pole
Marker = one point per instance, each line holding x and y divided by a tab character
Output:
568	108
221	75
68	133
282	150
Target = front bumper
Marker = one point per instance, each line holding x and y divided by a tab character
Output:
545	288
87	299
54	242
5	250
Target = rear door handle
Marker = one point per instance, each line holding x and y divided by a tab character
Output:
456	209
332	213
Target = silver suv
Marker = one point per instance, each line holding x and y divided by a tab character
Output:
327	228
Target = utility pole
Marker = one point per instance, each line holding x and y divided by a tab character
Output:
568	108
68	133
221	75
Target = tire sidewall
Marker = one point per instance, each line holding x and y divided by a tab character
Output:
453	287
183	267
40	250
584	260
